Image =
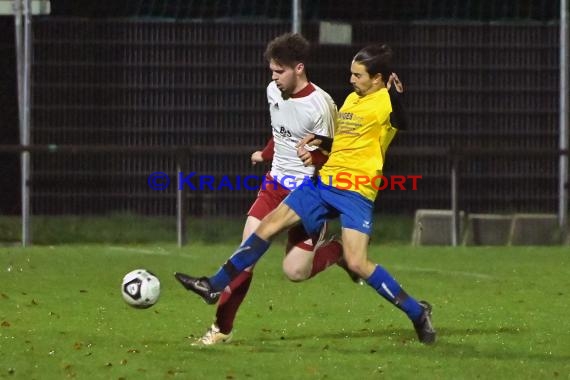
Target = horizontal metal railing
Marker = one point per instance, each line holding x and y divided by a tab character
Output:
454	155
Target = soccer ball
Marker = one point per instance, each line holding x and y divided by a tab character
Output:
140	288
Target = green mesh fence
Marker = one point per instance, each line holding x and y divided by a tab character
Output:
367	10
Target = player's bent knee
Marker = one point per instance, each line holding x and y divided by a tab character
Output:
295	275
298	264
295	272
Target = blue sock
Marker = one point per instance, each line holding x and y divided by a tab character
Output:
247	254
388	288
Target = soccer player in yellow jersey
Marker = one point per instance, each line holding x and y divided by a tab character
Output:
297	107
346	187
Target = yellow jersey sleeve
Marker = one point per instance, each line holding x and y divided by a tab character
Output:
359	147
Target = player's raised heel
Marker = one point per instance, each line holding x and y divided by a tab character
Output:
213	336
199	285
424	327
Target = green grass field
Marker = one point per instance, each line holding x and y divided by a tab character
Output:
500	313
129	229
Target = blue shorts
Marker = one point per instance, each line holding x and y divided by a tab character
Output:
315	203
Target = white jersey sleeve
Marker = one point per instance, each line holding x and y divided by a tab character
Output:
291	120
325	125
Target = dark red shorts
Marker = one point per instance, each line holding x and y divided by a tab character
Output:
268	199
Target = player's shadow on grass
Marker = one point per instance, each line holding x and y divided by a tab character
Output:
404	333
471	347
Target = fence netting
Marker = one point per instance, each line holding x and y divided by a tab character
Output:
366	10
143	82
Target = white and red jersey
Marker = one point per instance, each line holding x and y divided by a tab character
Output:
311	110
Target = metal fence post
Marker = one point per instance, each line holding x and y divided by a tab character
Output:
296	16
455	218
563	119
181	203
23	25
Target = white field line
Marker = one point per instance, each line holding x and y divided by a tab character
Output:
140	250
444	272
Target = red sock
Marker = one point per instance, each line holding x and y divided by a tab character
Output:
231	300
326	256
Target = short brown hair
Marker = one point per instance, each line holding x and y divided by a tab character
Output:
288	49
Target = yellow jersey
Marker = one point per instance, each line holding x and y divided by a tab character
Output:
362	136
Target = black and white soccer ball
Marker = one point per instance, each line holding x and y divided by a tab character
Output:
140	288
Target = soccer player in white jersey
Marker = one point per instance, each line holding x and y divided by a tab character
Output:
297	108
366	127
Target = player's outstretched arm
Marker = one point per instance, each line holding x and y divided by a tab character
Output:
395	82
399	116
